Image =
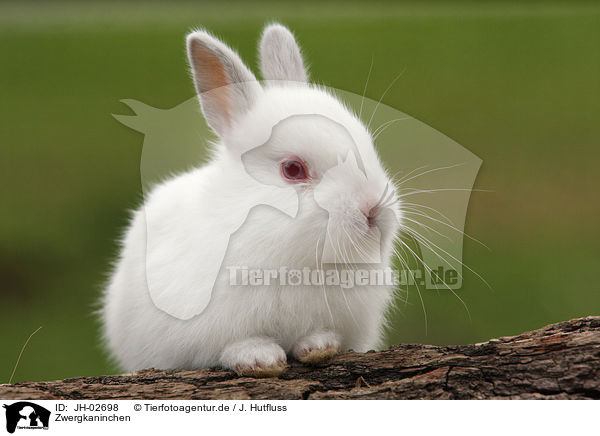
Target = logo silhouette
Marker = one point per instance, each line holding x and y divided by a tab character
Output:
440	199
26	415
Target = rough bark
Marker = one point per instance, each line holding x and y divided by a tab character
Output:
559	361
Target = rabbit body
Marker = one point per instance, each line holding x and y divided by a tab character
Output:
219	212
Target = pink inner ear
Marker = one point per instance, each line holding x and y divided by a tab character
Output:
211	78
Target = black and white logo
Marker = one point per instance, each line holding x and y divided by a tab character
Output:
26	415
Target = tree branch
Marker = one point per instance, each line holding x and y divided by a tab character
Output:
558	361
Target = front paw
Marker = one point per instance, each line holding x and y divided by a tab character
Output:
255	357
317	348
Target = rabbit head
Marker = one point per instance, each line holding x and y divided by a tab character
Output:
288	133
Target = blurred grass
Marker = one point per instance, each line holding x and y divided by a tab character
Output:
515	83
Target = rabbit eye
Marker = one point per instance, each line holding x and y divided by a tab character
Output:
294	170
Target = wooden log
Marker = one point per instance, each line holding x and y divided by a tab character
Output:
559	361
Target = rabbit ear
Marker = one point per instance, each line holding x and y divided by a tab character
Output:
280	57
226	88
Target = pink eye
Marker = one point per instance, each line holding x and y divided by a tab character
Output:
294	170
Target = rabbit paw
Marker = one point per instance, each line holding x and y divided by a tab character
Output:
255	357
317	348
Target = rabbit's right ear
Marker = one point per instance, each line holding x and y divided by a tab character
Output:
280	56
226	88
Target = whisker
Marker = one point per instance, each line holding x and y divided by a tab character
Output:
320	268
447	225
432	171
384	126
382	97
346	260
428	208
409	173
427	191
418	289
449	288
362	100
431	229
454	258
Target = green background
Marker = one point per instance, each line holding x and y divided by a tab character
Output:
518	84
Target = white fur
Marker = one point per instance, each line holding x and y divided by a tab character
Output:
252	352
280	57
189	214
316	341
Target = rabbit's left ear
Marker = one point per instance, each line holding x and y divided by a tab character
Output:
280	57
226	87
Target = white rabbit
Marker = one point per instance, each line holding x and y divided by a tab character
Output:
180	229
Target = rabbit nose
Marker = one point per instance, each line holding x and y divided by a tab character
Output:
371	216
